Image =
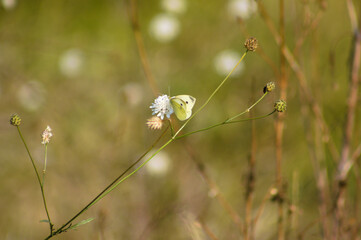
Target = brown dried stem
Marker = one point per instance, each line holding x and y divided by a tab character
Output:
251	179
280	124
345	162
132	10
208	231
315	107
214	189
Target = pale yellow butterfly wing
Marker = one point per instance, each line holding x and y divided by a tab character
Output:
179	108
182	106
189	100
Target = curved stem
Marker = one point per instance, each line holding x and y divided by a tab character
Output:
210	97
119	179
224	123
248	109
38	177
104	192
45	161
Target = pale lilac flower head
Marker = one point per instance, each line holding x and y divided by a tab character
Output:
162	106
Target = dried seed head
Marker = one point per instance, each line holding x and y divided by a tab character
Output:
280	106
15	120
269	87
155	123
251	44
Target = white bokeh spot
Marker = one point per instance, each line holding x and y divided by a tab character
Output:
159	164
31	95
225	61
174	6
164	28
71	62
242	8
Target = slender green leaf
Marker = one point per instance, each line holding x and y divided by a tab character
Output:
81	223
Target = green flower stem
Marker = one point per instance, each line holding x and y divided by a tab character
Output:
169	141
248	109
210	97
171	128
133	172
45	161
102	194
119	179
224	123
38	177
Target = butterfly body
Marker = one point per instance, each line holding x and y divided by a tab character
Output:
182	106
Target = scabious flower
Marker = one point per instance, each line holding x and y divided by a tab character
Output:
161	107
155	123
15	120
46	135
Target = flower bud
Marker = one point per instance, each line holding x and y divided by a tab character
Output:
269	87
280	106
251	44
15	120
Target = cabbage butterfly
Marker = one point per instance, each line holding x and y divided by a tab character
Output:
182	106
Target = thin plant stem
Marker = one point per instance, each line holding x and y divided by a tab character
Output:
345	162
150	80
140	46
45	161
280	124
296	68
208	231
224	123
250	185
214	188
211	96
248	109
121	179
38	177
101	194
261	207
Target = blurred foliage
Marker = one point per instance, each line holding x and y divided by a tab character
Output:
74	65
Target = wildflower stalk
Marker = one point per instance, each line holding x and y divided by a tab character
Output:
175	135
51	225
45	161
248	109
224	123
104	192
121	179
210	97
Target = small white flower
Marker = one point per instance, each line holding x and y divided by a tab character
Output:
161	107
46	135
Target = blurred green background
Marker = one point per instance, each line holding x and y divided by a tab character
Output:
75	66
